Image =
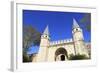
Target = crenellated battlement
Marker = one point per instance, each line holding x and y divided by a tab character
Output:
61	42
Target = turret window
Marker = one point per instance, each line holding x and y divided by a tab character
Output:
76	29
46	36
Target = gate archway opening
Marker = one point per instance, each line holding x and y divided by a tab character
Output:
61	54
62	57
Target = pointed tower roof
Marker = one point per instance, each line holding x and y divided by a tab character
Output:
46	31
75	24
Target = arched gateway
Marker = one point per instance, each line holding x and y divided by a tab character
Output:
61	54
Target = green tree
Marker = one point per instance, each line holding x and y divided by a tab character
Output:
30	37
86	22
77	57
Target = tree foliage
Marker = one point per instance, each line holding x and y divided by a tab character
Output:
86	21
30	37
77	57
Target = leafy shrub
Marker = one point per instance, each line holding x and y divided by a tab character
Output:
78	57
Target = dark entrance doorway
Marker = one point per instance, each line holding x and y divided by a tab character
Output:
62	57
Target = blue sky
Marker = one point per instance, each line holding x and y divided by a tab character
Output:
60	23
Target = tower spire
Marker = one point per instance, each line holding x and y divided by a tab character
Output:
75	24
46	31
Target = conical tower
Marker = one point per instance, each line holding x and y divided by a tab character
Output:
78	39
46	31
75	24
43	51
